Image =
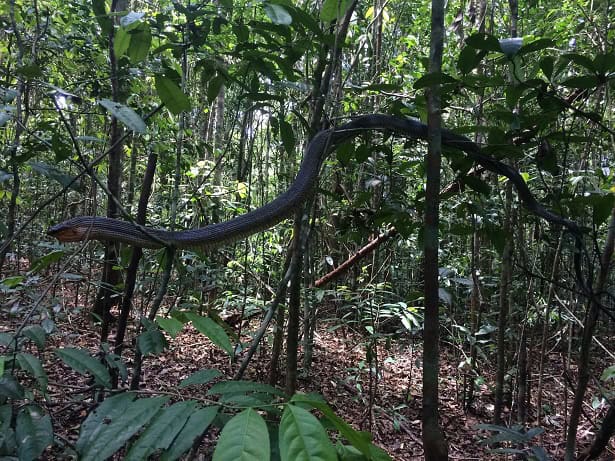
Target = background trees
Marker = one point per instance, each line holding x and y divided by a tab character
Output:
180	115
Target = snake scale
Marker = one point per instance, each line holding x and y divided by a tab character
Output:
107	229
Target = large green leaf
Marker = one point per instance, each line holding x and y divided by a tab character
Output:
212	330
32	365
118	418
124	114
171	95
171	325
81	361
152	341
234	387
200	377
196	425
140	42
359	440
278	14
55	173
303	438
161	432
36	334
244	438
10	387
334	9
33	431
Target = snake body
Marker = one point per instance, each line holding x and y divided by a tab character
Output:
107	229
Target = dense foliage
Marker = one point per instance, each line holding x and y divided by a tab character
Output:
179	115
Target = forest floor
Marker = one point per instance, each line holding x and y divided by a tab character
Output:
339	373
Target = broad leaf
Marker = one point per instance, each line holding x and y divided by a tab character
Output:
32	365
244	438
33	432
302	437
10	387
36	334
171	325
200	377
118	418
152	341
278	14
235	387
212	330
55	173
81	361
171	95
161	432
124	114
334	9
198	422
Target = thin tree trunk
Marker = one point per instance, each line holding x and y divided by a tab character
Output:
434	443
504	308
106	298
591	319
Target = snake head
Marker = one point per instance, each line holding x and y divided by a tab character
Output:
73	230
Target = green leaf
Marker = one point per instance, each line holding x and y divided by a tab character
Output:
161	432
131	20
10	388
214	86
212	330
200	377
36	334
124	114
121	42
171	95
581	60
546	65
288	136
608	373
359	440
115	421
55	173
45	261
12	282
477	185
198	422
278	14
235	387
81	361
536	45
602	207
433	78
469	58
140	42
333	9
30	71
243	438
484	42
302	437
32	365
582	81
170	325
33	431
152	341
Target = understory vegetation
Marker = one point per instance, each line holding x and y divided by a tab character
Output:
416	305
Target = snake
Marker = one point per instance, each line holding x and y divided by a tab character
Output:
99	228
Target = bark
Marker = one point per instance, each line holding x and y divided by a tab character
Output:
434	443
591	320
503	308
137	253
107	296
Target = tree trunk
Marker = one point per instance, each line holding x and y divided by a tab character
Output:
591	319
434	443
